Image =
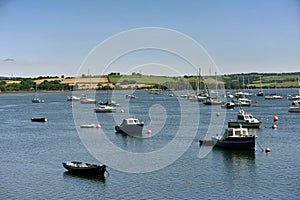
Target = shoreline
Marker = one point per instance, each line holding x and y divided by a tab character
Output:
70	92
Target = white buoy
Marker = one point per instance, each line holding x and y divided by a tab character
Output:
122	110
274	126
149	132
268	150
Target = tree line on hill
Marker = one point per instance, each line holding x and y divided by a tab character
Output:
27	84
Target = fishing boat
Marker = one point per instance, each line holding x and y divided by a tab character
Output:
84	168
130	126
39	119
245	120
233	138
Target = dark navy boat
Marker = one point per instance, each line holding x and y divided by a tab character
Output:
85	168
233	138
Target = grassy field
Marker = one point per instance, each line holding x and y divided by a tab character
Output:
143	79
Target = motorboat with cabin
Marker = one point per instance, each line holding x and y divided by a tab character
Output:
233	138
245	120
130	126
295	107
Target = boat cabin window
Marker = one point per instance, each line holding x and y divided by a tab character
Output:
237	132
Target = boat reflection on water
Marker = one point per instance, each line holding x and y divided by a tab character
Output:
92	177
239	167
228	154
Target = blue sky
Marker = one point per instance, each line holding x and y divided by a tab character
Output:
54	37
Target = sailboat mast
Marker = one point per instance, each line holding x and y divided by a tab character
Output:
199	80
260	83
216	83
298	86
243	83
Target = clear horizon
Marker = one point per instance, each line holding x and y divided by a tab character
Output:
52	38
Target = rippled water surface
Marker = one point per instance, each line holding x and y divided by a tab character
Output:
31	153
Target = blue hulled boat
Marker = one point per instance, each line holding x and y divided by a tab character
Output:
233	138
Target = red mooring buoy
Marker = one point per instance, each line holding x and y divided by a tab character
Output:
275	118
98	126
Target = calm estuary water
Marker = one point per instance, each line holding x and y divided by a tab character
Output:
31	153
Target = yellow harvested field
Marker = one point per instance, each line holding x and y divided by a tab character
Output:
11	82
72	81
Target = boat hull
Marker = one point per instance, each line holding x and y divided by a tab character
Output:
84	168
245	143
237	124
42	119
228	105
88	126
134	129
294	109
105	110
213	103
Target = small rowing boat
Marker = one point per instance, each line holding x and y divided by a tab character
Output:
41	119
84	168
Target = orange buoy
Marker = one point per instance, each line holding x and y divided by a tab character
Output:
275	118
149	132
267	150
98	126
